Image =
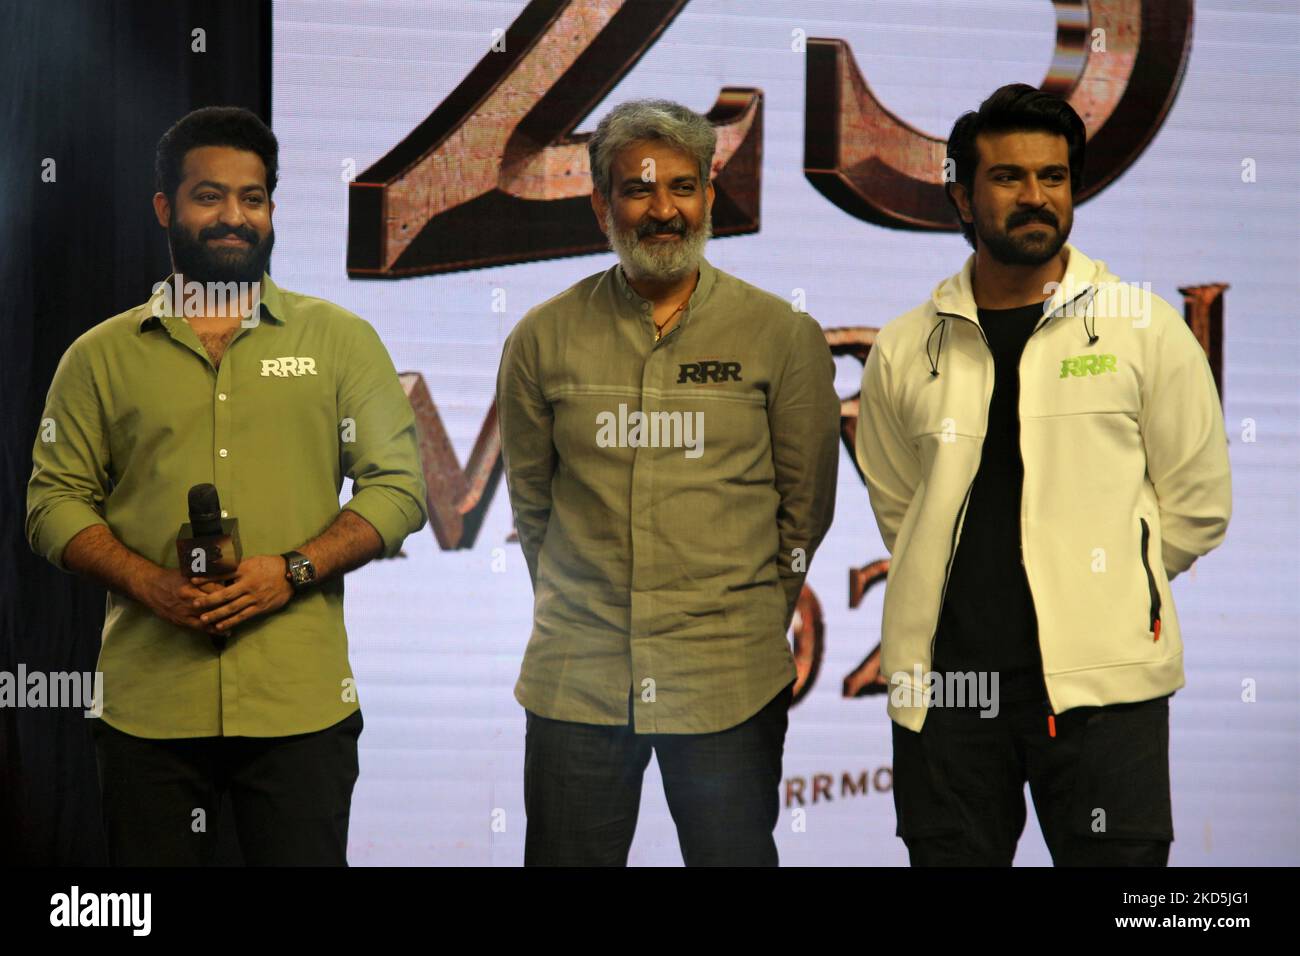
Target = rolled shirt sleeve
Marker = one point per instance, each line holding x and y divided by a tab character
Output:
138	412
70	461
379	445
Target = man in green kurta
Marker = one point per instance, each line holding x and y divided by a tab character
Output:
671	439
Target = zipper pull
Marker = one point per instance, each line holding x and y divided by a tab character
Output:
1157	630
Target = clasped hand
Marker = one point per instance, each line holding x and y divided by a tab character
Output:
258	587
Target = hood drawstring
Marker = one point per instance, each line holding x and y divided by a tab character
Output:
941	328
1091	333
934	362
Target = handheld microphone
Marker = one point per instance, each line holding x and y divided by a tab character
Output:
207	546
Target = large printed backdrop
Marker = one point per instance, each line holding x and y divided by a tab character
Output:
395	202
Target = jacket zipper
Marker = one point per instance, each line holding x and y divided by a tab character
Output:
1051	717
961	512
1051	714
947	571
1152	590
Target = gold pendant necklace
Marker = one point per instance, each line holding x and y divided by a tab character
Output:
659	329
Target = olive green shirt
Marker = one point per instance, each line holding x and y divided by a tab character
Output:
663	566
137	414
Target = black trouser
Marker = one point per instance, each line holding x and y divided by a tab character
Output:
582	789
1100	786
291	796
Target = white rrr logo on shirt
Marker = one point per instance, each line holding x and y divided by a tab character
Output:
289	365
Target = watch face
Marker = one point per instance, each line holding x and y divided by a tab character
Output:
302	571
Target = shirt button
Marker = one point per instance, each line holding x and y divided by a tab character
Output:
223	453
627	295
645	306
225	513
221	395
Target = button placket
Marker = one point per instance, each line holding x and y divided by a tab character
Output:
642	306
647	314
640	466
222	388
643	536
222	430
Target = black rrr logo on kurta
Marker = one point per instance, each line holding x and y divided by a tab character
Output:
709	372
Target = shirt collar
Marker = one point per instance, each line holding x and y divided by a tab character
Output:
272	304
633	300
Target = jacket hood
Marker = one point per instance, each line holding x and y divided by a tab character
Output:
954	297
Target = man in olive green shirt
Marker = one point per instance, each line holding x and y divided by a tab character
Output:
243	683
671	439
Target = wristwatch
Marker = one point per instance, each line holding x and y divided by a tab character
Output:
299	570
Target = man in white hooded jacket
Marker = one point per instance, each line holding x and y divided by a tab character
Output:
1044	451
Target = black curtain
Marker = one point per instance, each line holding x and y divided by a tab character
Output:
89	85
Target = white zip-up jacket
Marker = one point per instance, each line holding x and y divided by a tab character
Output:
1126	479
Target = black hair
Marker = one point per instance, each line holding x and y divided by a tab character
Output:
213	126
1016	107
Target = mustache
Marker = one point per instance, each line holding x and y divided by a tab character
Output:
1033	215
675	226
249	235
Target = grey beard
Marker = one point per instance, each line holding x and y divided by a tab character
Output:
659	264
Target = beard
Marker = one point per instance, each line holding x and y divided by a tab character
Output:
195	259
1029	248
659	261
